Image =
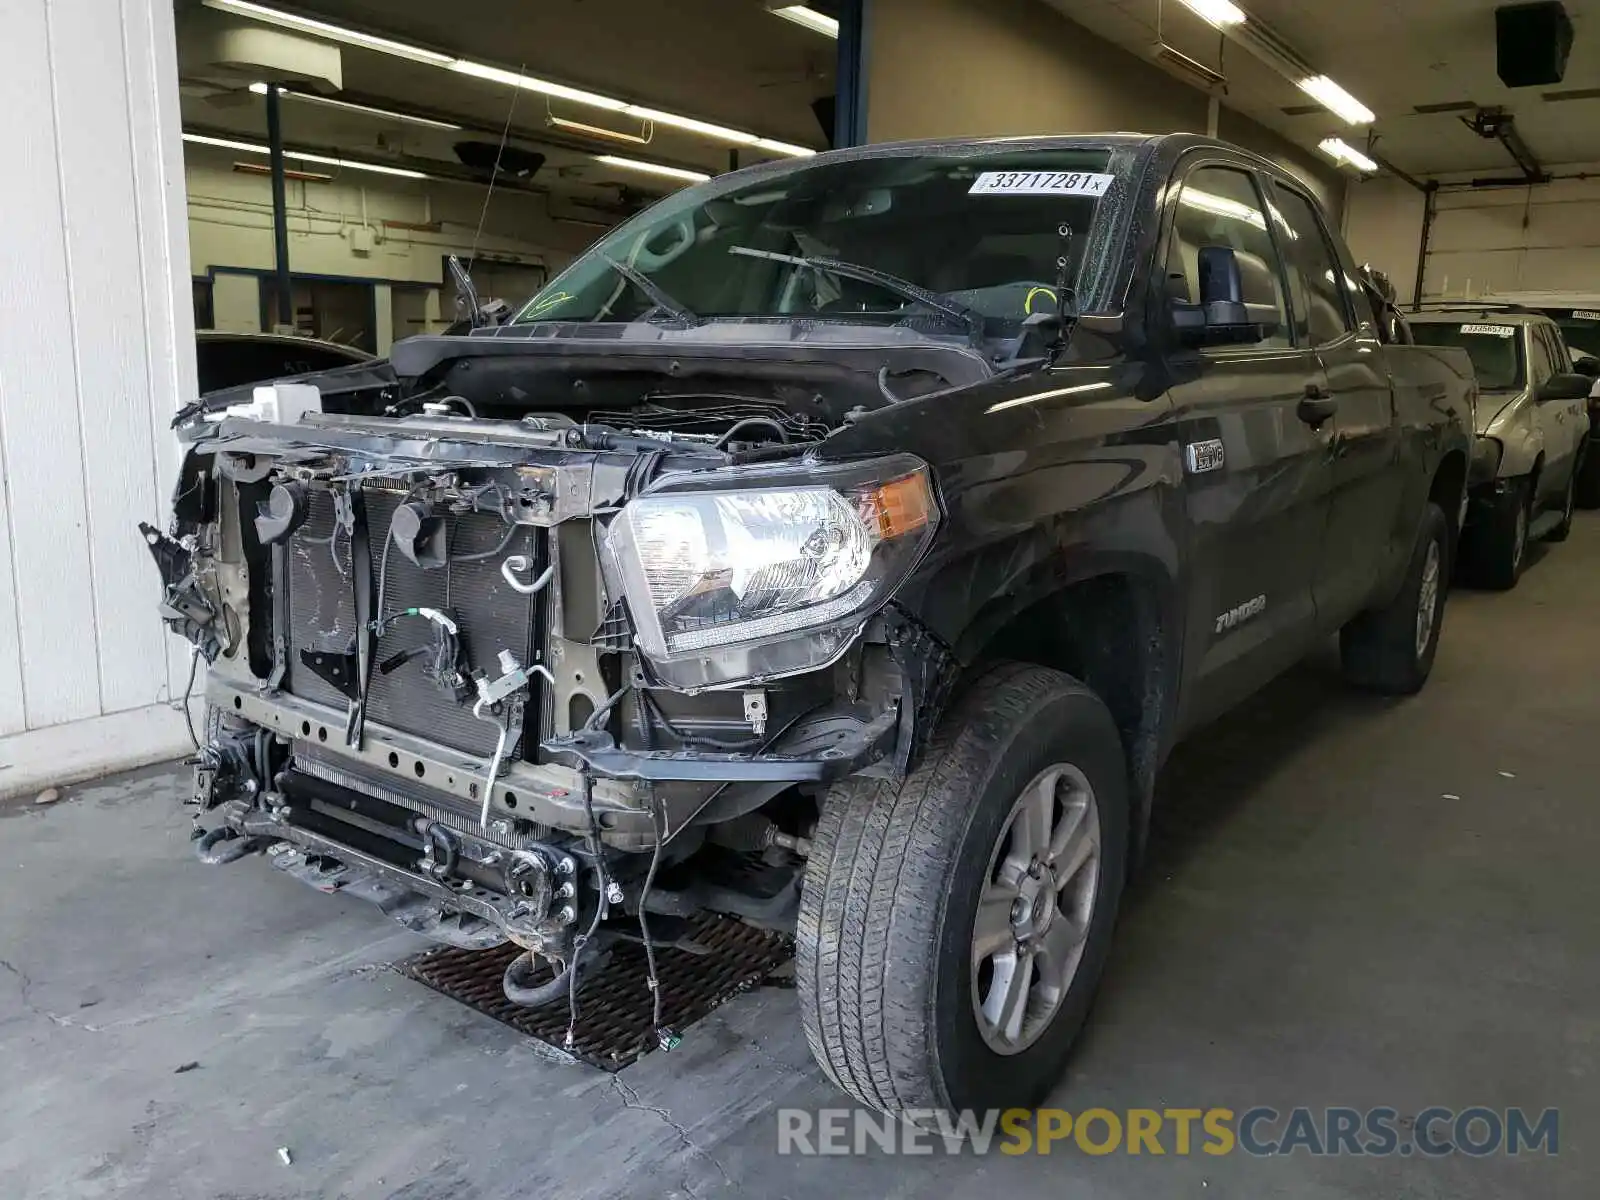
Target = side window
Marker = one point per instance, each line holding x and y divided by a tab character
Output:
1219	206
1560	356
1317	283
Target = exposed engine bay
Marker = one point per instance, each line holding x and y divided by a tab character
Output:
553	673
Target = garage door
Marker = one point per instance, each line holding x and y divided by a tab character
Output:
1545	238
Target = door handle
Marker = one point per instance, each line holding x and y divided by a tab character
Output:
1316	406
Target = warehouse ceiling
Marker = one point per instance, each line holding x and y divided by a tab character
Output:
730	63
1436	56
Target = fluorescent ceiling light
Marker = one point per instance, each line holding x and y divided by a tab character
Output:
300	156
493	74
1220	13
388	114
1341	150
788	148
598	130
650	168
1337	101
1221	206
810	18
533	83
336	33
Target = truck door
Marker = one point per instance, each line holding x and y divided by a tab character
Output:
1364	534
1257	479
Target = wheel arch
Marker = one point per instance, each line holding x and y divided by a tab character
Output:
1116	626
1449	490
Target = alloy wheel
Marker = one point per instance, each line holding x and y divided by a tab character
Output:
1035	910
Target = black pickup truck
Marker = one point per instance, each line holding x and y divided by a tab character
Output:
839	545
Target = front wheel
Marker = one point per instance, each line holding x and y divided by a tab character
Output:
954	927
1391	649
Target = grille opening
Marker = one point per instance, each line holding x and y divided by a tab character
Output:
492	617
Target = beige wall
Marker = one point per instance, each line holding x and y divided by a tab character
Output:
1383	223
940	68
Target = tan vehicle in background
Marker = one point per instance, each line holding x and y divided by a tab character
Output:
1533	432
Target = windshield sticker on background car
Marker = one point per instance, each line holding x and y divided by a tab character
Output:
1040	183
1504	331
1584	314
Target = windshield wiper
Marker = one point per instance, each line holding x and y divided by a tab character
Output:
968	318
662	299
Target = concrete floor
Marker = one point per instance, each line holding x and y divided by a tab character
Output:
1350	902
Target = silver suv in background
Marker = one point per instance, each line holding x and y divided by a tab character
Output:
1532	426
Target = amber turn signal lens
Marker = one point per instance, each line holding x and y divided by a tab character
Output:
897	507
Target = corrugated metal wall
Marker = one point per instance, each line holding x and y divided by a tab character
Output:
96	349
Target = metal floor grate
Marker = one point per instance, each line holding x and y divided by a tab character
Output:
614	1008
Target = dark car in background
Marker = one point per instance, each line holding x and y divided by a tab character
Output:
228	360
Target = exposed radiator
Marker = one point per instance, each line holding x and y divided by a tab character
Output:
492	615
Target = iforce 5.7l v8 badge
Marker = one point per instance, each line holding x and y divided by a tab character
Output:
1205	456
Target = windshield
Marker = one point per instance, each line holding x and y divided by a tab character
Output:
1495	350
962	241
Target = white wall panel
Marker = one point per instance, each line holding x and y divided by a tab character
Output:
54	609
101	221
96	349
13	717
153	123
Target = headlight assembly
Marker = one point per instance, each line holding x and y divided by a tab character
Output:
751	572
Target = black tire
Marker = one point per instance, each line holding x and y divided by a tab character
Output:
1384	650
1496	545
885	966
1587	494
1569	502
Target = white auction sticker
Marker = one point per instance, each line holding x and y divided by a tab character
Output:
1491	330
1040	183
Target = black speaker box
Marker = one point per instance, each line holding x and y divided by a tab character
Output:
1532	42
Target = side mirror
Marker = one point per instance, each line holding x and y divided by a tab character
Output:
1221	317
1569	386
1585	365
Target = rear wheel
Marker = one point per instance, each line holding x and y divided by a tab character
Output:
953	928
1495	546
1391	649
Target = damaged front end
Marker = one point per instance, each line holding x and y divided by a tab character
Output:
521	676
